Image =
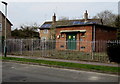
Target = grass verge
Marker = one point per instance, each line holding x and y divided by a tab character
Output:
68	65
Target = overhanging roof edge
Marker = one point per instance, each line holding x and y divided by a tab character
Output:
65	31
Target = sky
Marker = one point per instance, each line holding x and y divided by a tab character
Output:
28	12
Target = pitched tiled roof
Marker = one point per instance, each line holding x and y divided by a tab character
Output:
97	25
48	25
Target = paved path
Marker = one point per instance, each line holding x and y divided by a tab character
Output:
15	72
61	60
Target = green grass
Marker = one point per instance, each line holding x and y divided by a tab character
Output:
68	65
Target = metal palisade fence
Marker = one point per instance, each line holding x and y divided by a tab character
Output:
70	50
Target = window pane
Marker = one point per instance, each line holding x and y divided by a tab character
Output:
45	31
43	38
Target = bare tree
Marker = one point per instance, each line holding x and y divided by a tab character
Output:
107	16
117	24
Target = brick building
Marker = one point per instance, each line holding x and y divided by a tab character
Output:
78	34
2	26
80	37
48	28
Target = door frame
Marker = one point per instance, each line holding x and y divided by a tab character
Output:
69	45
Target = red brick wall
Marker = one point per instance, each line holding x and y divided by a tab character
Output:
102	36
42	34
105	34
62	40
101	33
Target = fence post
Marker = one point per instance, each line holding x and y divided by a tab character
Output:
93	48
32	47
21	45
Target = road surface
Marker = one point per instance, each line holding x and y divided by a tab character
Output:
15	72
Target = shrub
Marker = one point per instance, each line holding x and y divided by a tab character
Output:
113	51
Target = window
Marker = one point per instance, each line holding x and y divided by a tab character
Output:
0	27
62	46
81	39
45	31
82	47
43	38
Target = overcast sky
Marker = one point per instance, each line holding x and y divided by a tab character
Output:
20	13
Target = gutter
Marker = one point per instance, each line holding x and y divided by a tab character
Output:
65	31
94	37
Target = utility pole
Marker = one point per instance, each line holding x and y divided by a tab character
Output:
5	46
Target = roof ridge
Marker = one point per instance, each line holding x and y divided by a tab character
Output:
70	20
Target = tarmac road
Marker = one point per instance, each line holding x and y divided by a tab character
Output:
16	72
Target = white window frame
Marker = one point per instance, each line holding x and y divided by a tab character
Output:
45	31
43	38
0	27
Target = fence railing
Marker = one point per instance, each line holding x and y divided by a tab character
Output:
0	46
71	50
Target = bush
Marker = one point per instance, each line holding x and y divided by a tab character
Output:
113	51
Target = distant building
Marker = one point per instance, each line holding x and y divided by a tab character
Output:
2	26
46	30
